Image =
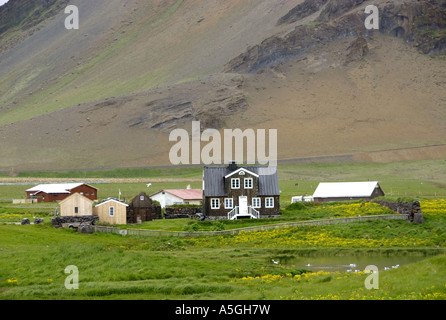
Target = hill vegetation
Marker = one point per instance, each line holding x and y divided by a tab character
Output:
88	98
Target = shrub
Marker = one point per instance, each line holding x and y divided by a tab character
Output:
296	206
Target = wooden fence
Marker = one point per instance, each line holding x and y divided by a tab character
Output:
161	233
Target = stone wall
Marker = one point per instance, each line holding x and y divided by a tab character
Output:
413	210
182	212
58	221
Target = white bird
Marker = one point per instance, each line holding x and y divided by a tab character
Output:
308	265
352	265
356	270
386	268
275	262
148	185
349	270
395	267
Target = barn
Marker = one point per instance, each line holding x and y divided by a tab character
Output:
168	197
76	205
60	191
141	209
235	192
112	211
347	191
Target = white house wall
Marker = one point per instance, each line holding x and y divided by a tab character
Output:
166	199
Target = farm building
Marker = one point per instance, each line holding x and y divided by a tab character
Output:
58	192
343	191
111	211
141	209
170	197
76	205
234	192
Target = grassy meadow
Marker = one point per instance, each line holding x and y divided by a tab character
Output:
33	258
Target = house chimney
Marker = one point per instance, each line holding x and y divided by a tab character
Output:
232	166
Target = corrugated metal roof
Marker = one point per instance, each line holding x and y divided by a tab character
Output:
214	181
55	188
187	194
345	189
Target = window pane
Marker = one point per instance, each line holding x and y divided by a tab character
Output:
235	183
229	203
215	203
269	202
256	203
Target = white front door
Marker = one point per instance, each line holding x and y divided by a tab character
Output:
243	205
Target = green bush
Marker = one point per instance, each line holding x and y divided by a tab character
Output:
191	227
296	206
218	226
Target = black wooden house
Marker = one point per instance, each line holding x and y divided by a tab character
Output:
235	192
141	209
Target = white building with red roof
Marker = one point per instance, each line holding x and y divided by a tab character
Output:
169	197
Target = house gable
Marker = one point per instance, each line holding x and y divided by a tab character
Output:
242	171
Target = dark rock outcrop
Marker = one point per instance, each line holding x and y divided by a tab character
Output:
421	23
357	50
305	9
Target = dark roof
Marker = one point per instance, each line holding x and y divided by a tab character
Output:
214	181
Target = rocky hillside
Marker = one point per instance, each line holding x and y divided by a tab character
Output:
108	94
19	19
420	23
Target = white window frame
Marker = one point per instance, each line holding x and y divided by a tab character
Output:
111	211
215	203
256	203
267	200
235	183
229	203
250	183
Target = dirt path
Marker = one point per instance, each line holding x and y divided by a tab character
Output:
24	181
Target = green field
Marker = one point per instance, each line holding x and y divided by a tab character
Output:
33	258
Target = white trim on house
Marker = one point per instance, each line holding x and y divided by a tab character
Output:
269	202
108	200
215	203
257	203
250	184
229	203
244	170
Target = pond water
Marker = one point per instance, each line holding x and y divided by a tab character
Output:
348	263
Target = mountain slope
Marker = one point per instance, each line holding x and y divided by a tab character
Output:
125	47
108	95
